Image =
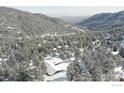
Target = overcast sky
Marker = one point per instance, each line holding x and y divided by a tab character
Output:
70	10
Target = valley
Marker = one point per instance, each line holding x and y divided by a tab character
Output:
36	47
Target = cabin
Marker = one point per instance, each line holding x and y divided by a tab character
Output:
115	53
54	65
115	50
10	28
119	73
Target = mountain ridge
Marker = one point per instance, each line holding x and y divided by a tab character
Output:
104	21
30	23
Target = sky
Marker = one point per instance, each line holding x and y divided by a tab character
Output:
55	11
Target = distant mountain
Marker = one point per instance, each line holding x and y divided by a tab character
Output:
104	21
14	21
52	19
73	19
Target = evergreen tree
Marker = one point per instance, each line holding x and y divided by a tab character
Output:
76	73
97	71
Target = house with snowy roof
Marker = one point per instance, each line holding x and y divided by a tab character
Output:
119	73
55	64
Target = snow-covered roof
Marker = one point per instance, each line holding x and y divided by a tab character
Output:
59	46
19	38
18	32
72	58
51	69
54	60
39	45
28	37
54	48
55	64
31	64
44	41
5	59
97	41
43	36
81	49
62	66
94	42
32	67
108	49
56	54
66	46
9	27
50	63
118	69
115	53
118	73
